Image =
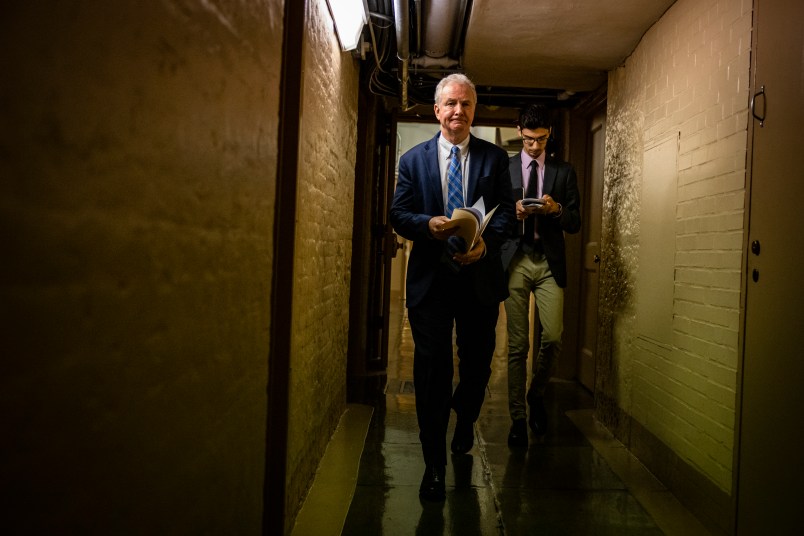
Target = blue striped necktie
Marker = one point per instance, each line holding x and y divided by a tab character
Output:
454	181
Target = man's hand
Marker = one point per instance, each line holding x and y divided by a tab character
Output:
522	212
549	207
436	225
472	256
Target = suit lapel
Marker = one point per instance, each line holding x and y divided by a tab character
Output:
433	173
477	158
476	167
550	173
515	169
517	189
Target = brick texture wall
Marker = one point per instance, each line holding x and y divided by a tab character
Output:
323	249
687	80
138	156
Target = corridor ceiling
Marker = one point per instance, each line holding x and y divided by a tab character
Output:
514	50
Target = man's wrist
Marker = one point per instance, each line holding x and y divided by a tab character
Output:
560	211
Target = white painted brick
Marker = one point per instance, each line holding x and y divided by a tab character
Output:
713	296
709	134
323	247
718	353
707	259
710	223
728	240
694	66
667	410
720	316
706	331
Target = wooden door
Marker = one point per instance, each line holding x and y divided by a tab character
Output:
383	250
593	199
770	473
373	246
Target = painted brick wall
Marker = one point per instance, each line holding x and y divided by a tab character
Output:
138	161
323	249
687	79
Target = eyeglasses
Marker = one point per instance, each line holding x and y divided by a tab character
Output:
530	141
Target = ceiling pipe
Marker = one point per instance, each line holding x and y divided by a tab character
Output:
443	23
439	26
401	12
418	22
426	62
402	22
463	22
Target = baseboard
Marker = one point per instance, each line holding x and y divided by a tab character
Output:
327	504
711	505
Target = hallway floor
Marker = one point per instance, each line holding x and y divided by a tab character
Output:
576	480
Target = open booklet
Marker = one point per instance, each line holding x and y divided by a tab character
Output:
470	221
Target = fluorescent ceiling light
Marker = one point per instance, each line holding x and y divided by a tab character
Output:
349	17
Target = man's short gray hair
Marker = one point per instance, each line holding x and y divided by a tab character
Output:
455	78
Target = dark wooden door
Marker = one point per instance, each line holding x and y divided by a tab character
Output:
592	221
373	247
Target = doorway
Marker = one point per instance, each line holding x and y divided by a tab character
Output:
592	218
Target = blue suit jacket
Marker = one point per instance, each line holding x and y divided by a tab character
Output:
418	198
561	184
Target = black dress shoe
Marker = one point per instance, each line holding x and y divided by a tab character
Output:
518	436
464	437
433	488
538	415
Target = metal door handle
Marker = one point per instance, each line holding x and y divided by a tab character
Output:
596	258
761	118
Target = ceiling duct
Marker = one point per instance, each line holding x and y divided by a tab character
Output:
441	25
429	44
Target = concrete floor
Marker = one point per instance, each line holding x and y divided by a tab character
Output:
576	480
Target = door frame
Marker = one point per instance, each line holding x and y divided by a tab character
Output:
580	157
373	247
287	177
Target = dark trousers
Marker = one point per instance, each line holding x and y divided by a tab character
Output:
450	301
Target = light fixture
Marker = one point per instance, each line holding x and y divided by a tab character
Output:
349	17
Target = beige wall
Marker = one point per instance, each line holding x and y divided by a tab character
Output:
677	131
138	161
323	249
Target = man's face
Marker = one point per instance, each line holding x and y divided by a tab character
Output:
455	111
534	140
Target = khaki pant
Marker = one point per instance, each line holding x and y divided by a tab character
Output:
529	273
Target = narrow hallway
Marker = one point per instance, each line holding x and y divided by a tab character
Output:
576	480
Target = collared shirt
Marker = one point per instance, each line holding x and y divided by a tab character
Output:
444	150
526	160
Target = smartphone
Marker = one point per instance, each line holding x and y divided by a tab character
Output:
531	202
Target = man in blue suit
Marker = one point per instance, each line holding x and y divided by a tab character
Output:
536	262
445	285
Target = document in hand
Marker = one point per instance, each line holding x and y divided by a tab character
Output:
470	222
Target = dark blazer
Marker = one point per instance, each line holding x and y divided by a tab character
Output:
561	184
418	197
